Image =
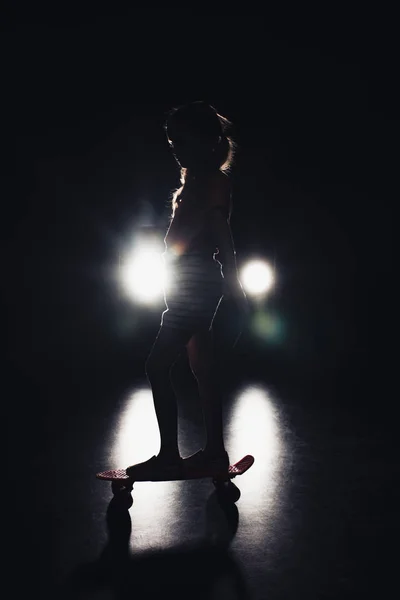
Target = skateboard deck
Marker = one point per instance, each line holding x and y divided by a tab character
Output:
119	476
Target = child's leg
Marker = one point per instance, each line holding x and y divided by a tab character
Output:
202	362
164	353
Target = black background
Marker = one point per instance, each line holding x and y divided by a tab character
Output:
313	99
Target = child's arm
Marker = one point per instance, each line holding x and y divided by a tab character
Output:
218	214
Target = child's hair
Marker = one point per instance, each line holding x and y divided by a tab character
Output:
201	122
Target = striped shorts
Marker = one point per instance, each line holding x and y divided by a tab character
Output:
192	293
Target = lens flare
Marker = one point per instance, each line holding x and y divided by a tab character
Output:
143	276
257	277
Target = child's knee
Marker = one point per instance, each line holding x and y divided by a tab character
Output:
165	352
157	367
204	370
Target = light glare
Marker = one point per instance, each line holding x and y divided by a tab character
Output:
257	277
143	276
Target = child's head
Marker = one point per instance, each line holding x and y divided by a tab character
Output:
197	136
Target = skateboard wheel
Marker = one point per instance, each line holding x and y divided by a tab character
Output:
227	491
220	483
118	486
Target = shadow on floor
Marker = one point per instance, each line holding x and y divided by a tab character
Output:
207	570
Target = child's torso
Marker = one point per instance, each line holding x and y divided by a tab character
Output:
189	232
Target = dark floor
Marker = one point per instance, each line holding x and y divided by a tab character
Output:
316	517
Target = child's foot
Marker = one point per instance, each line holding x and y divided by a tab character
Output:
157	466
208	461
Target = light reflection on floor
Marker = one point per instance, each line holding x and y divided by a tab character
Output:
155	508
161	514
253	428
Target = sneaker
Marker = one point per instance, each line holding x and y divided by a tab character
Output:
156	468
204	462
